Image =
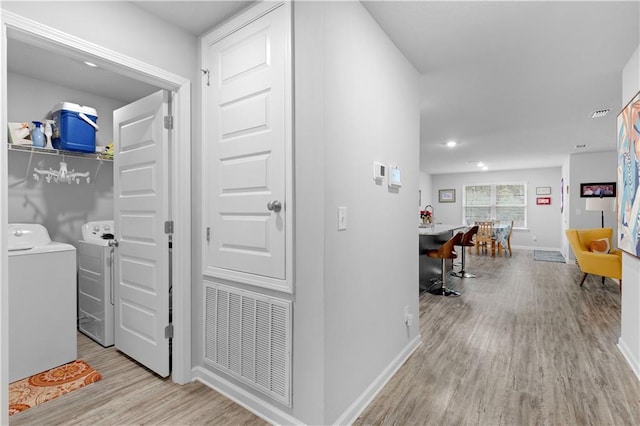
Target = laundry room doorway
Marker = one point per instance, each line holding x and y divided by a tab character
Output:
175	208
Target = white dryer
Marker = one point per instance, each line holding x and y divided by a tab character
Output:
42	301
95	282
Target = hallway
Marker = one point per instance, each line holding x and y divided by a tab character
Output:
524	344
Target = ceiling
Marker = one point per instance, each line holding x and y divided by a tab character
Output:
513	82
72	72
194	17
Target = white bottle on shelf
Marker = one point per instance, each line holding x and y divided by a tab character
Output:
37	137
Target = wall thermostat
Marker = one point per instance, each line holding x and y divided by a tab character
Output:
394	176
379	171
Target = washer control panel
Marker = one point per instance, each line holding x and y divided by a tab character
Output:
98	230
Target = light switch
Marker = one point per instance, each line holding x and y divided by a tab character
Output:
379	171
342	218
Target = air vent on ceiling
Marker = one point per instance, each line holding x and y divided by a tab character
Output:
600	113
581	146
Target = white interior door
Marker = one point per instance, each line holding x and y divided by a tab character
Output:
246	129
141	209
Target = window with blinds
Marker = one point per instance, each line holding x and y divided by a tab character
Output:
500	201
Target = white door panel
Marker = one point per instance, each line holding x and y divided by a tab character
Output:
141	208
246	135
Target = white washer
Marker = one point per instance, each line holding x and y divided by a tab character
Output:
42	301
95	285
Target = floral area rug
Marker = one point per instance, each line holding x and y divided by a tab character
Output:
45	386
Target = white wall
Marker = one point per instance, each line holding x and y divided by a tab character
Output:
371	270
629	342
309	336
566	207
425	187
543	221
356	102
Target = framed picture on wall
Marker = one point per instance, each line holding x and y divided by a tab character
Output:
543	190
447	195
593	190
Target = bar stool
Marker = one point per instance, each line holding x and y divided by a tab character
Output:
467	241
444	252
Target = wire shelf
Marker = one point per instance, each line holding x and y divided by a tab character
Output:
37	150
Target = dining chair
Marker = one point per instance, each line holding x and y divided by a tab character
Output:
507	240
484	238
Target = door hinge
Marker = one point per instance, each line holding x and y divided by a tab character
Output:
168	122
168	332
168	227
208	74
208	234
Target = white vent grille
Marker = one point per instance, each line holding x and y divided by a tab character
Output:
248	336
600	113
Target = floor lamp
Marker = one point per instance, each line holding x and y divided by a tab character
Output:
602	204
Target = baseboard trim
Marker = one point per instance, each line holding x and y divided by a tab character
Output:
536	248
628	355
358	406
245	399
273	415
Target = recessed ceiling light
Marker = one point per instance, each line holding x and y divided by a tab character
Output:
480	164
451	144
90	64
600	113
485	168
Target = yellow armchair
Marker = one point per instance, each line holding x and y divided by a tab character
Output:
592	262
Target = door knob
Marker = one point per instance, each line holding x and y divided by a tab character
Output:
274	206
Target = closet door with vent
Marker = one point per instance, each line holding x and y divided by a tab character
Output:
247	150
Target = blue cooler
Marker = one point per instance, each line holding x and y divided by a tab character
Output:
74	127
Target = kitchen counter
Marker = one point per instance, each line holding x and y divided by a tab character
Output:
438	228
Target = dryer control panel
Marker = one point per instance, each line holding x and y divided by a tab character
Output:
98	230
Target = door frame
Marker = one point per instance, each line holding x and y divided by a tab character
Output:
18	27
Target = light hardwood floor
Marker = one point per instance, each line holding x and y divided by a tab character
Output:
522	345
129	394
